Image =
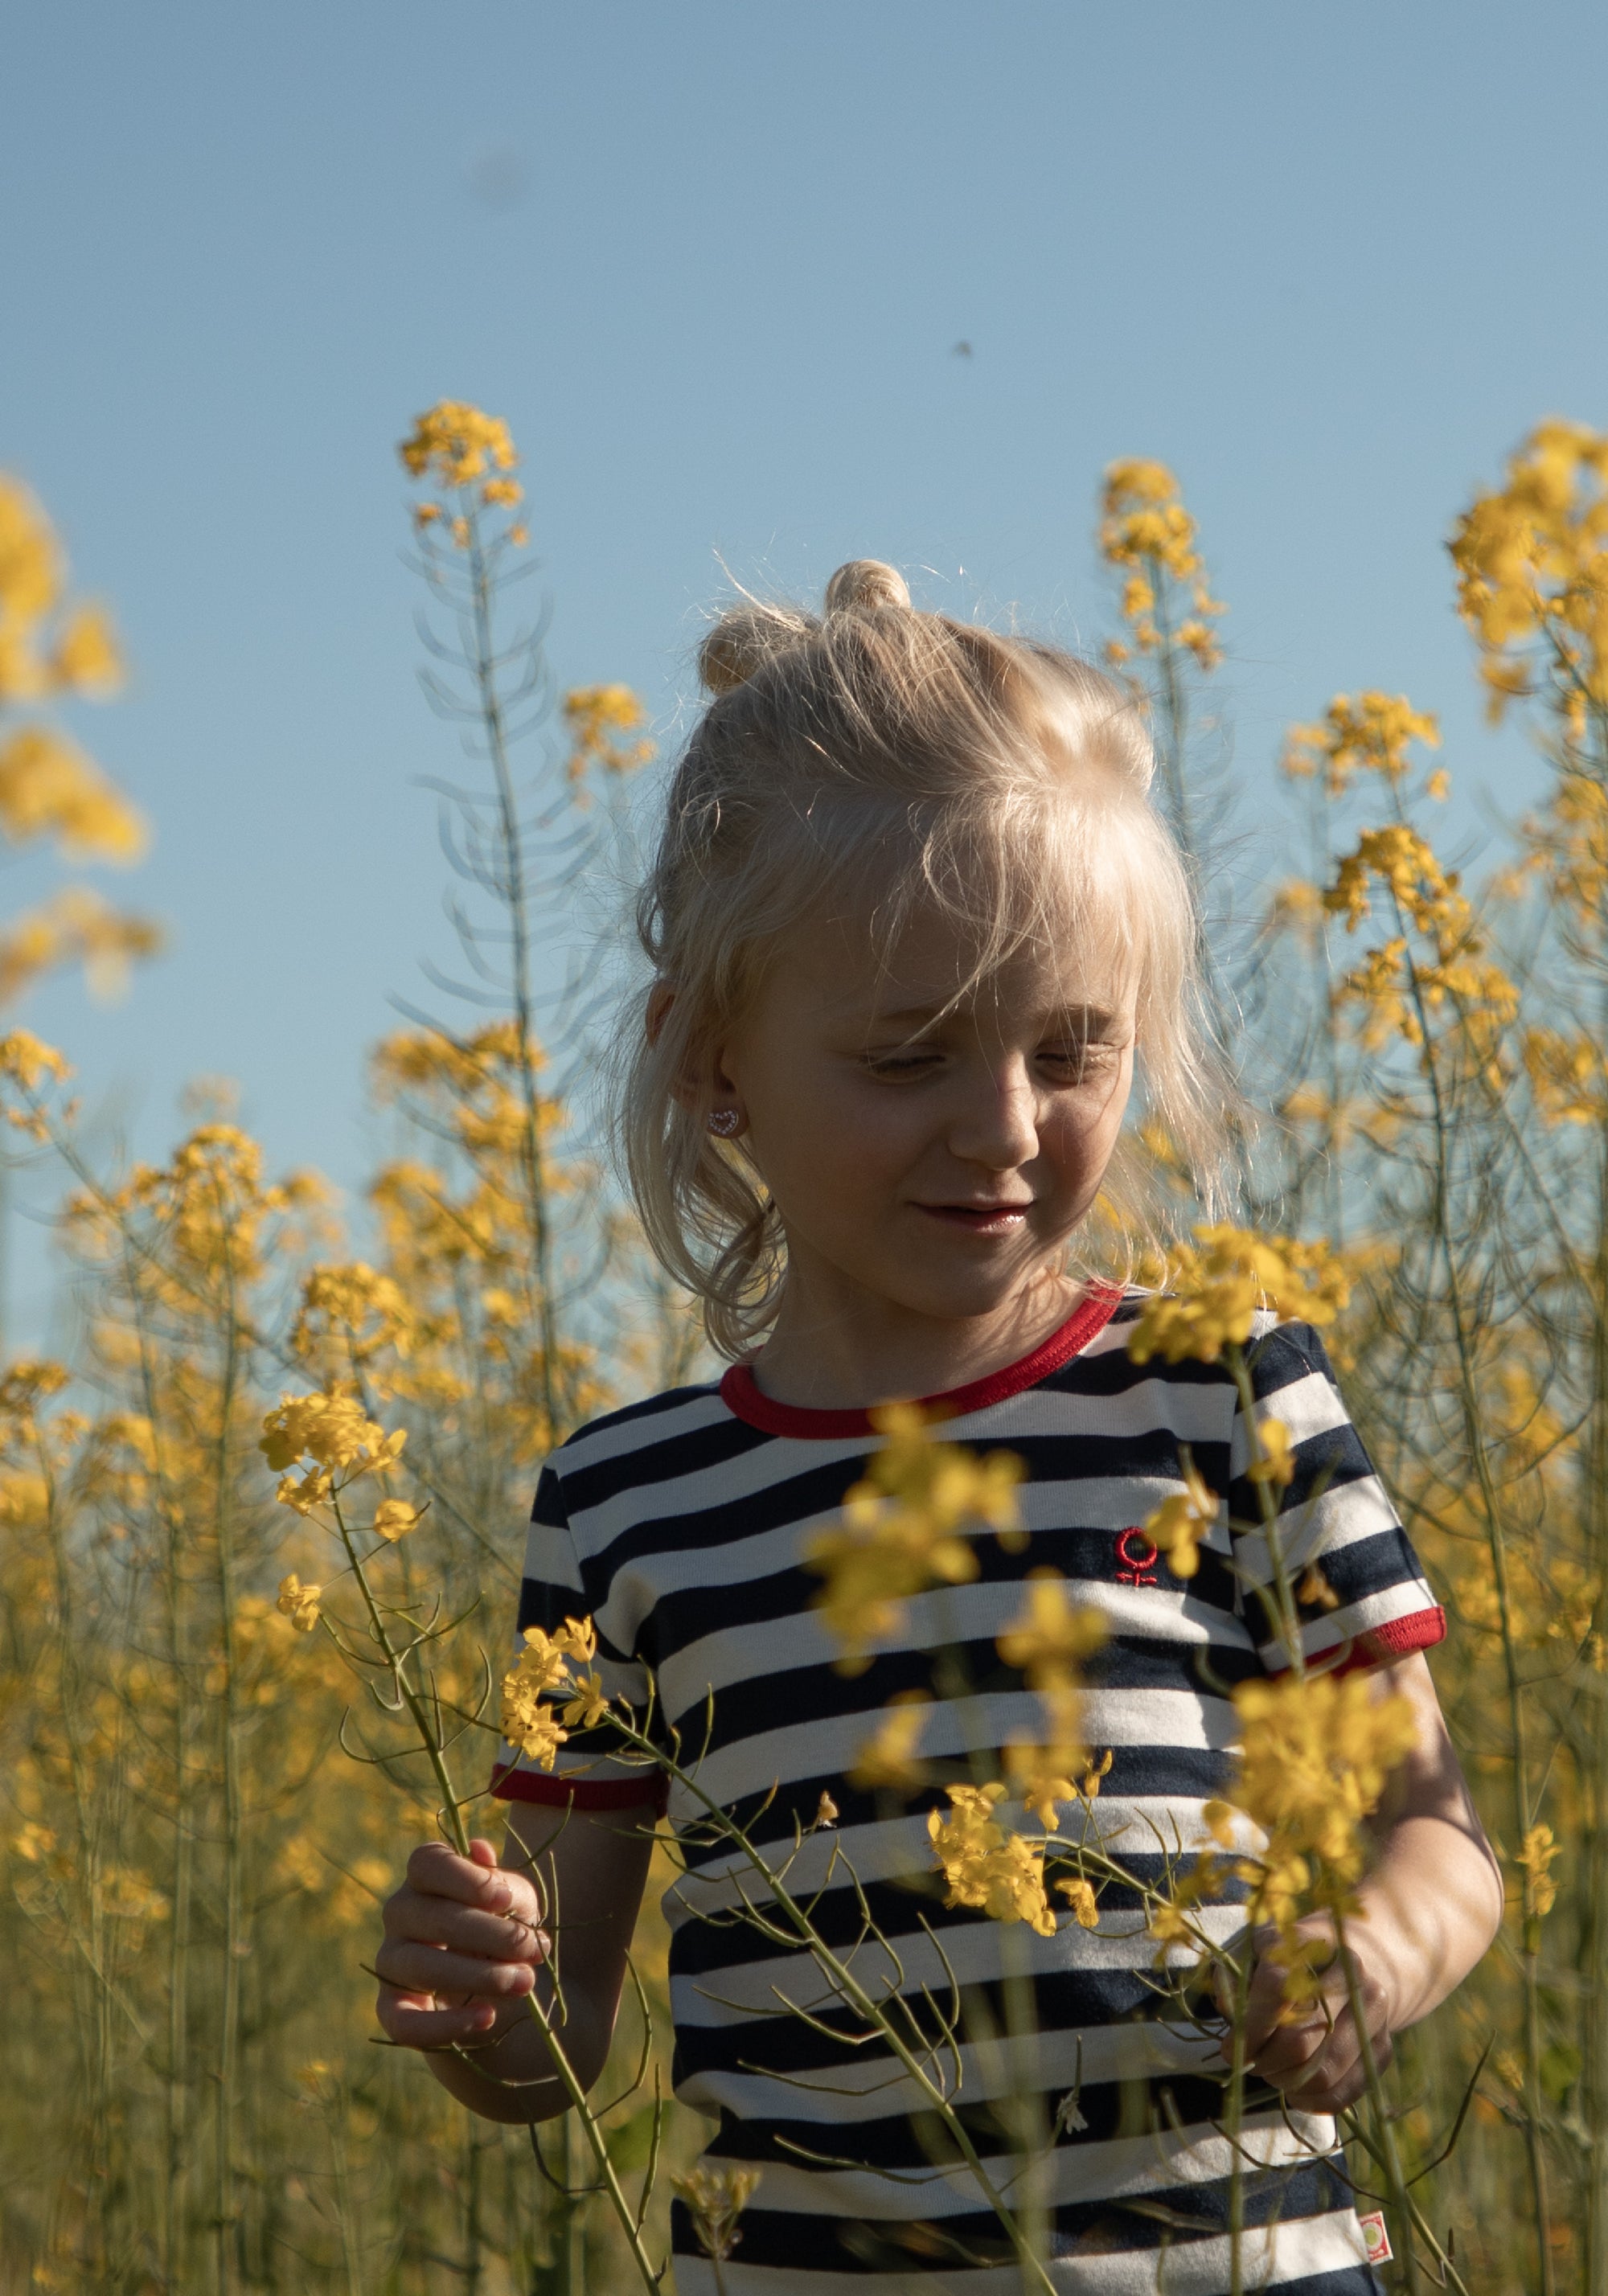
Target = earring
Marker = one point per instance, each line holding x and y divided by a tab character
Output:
725	1123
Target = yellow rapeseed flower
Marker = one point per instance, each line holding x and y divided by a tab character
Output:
1314	1756
330	1426
887	1761
1145	527
48	788
1051	1635
1568	1075
86	658
588	1703
1533	573
299	1603
394	1519
1371	735
1080	1896
543	1670
1179	1526
454	443
904	1529
595	714
1536	1856
1000	1874
1215	1287
76	926
1277	1463
716	2193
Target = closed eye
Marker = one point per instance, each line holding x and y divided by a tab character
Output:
900	1066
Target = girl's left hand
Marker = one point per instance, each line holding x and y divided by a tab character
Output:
1315	2058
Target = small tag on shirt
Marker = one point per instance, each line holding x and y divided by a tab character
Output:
1375	2239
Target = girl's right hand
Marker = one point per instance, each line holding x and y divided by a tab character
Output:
462	1943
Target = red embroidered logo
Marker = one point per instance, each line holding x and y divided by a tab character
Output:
1136	1552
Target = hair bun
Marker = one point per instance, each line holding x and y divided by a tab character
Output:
743	640
864	585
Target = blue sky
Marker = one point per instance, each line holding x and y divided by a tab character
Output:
710	261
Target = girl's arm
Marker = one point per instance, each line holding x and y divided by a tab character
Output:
1431	1904
466	1940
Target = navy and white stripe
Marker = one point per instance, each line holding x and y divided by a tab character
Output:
679	1525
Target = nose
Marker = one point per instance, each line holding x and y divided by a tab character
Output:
998	1126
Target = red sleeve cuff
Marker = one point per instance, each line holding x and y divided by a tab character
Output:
1381	1645
652	1791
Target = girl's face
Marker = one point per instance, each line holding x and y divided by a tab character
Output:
933	1159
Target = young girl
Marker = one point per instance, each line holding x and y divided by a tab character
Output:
914	921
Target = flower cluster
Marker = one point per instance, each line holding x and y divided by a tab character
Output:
299	1603
716	2194
76	926
331	1428
349	1316
1145	527
1390	984
41	655
468	454
1537	1852
544	1672
986	1867
887	1762
1315	1753
1047	1643
1216	1286
1568	1075
1532	572
905	1529
594	717
1370	735
48	788
1182	1522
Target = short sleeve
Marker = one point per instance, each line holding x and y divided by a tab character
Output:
587	1772
1368	1601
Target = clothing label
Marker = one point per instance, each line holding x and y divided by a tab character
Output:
1375	2239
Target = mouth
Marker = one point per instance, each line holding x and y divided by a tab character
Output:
981	1219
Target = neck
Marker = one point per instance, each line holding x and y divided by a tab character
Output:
828	1354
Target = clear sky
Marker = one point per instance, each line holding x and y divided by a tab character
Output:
711	261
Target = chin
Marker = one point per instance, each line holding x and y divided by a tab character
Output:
961	1300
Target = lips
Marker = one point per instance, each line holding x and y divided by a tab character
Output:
981	1219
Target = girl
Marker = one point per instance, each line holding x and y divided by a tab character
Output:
913	920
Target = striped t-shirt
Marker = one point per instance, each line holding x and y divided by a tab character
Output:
680	1524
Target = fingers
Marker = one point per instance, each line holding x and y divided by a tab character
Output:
419	1920
462	1940
1264	2001
1312	2053
414	2021
1318	2063
435	1871
421	1968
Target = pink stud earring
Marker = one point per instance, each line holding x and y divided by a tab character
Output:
725	1123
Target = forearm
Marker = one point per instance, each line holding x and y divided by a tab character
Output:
1430	1907
510	2075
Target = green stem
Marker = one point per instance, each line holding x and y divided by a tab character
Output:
1388	2155
1474	1435
850	1991
482	595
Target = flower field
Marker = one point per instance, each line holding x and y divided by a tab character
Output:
259	1537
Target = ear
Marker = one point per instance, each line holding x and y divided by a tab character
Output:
702	1080
661	995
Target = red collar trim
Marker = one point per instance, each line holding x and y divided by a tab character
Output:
743	1399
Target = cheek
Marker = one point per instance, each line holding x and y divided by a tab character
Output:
1079	1138
835	1145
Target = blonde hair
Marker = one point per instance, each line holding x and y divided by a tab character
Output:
880	753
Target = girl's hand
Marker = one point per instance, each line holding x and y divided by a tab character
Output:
1316	2060
463	1942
